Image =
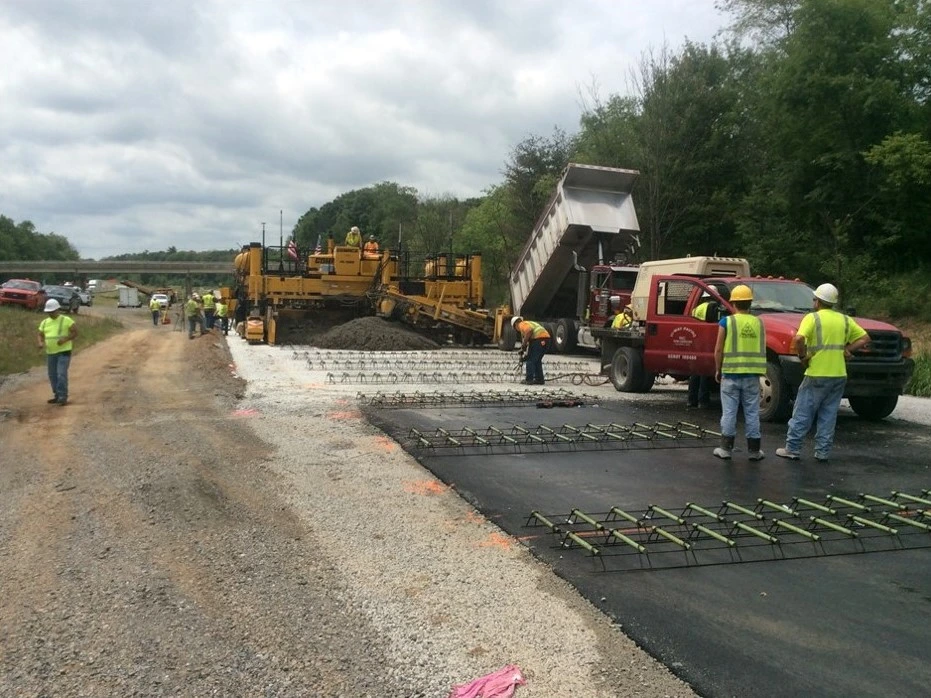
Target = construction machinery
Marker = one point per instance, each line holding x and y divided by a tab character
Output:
278	288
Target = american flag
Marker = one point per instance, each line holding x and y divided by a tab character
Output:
292	249
318	249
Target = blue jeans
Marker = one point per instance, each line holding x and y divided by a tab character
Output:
58	373
816	403
155	314
534	362
208	318
740	391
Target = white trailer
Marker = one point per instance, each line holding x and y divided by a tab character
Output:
129	298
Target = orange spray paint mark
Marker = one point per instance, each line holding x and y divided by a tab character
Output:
247	412
385	443
496	540
425	487
345	414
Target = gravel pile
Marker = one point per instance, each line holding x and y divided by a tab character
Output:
448	594
372	334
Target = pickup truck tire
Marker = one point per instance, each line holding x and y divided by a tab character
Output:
775	405
565	336
873	408
508	338
626	371
649	379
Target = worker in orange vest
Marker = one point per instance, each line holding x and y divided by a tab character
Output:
534	342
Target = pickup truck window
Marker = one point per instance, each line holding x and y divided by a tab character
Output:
672	297
780	297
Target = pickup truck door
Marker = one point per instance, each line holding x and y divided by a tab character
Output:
676	343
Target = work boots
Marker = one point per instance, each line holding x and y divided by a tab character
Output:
754	452
726	448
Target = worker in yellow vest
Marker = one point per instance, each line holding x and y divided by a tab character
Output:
222	310
57	333
740	360
192	311
700	386
209	305
354	237
623	319
156	309
824	341
534	341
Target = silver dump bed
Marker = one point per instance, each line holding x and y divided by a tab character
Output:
591	204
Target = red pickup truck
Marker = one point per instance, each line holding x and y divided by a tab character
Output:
24	292
668	340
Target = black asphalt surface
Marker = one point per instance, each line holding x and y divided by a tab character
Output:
844	625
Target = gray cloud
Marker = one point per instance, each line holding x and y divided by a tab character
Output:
131	125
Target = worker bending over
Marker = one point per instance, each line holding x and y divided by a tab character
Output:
534	341
371	247
354	237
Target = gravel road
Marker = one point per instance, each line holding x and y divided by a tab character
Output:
180	530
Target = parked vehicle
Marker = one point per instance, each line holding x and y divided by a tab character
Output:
22	292
87	298
66	295
574	262
129	298
666	339
163	300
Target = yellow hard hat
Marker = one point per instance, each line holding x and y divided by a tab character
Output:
741	293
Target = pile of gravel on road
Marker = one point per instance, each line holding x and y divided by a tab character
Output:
372	334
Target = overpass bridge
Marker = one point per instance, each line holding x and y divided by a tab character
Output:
88	268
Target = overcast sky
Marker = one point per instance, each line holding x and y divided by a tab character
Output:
128	125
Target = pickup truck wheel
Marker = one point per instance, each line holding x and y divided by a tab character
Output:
775	405
649	379
508	338
873	408
627	370
565	337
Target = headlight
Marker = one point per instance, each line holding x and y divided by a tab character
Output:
906	347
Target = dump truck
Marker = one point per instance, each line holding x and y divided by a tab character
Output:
576	258
439	294
665	339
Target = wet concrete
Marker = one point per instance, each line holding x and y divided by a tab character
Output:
850	625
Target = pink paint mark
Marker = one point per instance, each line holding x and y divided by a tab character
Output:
247	412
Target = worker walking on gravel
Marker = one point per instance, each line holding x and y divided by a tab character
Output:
209	305
534	341
825	340
57	333
156	309
740	360
192	313
223	310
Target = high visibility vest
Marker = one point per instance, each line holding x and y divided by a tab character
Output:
620	321
209	303
701	311
353	239
744	345
53	329
222	309
826	333
154	304
191	309
537	331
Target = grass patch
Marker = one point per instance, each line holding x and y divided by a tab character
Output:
920	384
19	328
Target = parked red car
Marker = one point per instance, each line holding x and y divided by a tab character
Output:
24	292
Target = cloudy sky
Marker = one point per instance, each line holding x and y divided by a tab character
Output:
128	125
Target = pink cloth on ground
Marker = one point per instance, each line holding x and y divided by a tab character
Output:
499	684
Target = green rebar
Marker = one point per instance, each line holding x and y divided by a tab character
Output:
910	522
680	430
663	425
624	515
912	498
848	503
504	436
624	539
759	534
670	537
702	510
562	437
586	518
796	529
581	434
667	514
475	436
814	505
834	526
583	543
873	524
714	534
743	510
778	507
545	521
884	502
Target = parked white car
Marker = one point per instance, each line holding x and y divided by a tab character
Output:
162	299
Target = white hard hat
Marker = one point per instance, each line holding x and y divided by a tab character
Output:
827	293
52	305
515	320
355	229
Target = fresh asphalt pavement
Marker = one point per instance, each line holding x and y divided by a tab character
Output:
838	625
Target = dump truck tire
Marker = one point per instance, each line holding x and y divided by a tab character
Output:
565	336
508	338
873	407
